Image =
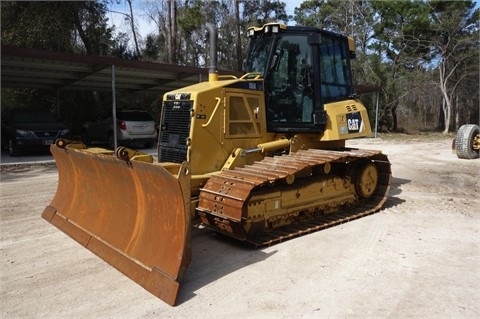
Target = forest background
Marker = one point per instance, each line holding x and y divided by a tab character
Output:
422	55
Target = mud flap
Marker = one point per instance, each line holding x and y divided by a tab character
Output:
134	215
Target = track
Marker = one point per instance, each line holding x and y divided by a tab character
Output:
315	224
225	197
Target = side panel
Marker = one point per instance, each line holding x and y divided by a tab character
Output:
346	119
225	117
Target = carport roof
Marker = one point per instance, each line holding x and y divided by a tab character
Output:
26	68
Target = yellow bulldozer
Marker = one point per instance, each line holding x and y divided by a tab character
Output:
260	158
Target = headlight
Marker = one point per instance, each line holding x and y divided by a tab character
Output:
65	131
26	134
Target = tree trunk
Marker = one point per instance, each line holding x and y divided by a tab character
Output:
447	108
447	105
174	32
239	44
170	34
441	116
395	118
457	113
132	25
447	111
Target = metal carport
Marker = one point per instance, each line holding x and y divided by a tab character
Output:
27	68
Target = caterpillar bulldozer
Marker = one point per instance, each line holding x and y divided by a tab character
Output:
260	158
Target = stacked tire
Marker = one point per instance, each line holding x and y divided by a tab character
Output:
467	141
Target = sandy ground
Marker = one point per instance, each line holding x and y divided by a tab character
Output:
418	257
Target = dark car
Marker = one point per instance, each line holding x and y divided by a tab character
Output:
132	126
30	130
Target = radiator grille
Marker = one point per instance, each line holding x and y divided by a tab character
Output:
174	131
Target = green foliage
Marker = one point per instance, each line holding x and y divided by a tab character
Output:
27	99
39	25
73	26
152	47
191	17
309	13
264	11
119	47
91	26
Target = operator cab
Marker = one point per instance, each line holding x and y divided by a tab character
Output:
303	68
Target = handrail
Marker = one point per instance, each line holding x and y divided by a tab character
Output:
228	76
253	75
214	110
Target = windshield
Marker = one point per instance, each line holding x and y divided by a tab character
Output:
258	54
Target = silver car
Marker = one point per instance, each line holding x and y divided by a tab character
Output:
133	126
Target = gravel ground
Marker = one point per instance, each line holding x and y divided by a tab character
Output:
418	257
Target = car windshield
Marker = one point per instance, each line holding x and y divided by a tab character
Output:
33	117
134	116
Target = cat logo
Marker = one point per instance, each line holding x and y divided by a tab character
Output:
354	122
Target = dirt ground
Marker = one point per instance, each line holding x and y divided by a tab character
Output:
418	257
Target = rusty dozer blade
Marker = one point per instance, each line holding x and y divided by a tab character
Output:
134	215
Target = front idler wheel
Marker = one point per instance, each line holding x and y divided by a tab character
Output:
367	180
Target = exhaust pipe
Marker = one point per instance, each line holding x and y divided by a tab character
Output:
212	71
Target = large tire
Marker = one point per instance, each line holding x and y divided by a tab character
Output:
464	141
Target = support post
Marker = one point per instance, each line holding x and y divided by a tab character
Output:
376	112
114	109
